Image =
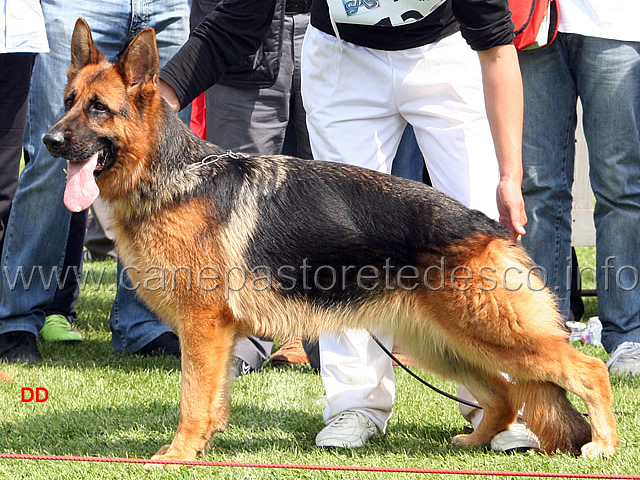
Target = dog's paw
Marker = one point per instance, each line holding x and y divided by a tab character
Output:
597	450
163	454
468	440
163	451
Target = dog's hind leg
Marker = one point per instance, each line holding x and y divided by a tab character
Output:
543	368
553	418
491	391
206	341
588	378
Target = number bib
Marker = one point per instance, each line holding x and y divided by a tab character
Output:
382	13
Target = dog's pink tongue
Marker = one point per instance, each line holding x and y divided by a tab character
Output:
81	188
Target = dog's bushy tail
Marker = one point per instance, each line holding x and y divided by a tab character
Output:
550	415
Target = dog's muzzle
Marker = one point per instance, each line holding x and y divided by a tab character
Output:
54	140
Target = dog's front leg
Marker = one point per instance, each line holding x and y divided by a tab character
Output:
206	341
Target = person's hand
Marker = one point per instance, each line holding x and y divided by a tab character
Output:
169	94
511	207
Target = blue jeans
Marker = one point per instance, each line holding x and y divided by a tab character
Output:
408	162
38	226
605	75
132	324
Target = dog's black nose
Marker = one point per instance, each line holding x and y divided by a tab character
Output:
53	139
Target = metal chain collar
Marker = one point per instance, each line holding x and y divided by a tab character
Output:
214	158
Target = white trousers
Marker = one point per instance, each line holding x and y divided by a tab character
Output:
358	102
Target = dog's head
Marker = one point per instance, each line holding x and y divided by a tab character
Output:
103	126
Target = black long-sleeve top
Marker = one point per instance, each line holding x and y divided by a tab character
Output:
236	28
232	31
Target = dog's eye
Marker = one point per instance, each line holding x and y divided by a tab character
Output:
100	107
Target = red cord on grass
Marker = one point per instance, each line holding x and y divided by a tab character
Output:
293	466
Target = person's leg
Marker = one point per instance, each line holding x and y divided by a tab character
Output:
254	121
61	312
111	42
340	130
408	162
15	78
134	327
339	127
170	21
290	144
16	344
251	121
353	384
457	147
548	152
250	353
576	305
137	334
455	140
297	114
336	116
518	438
38	225
608	78
296	143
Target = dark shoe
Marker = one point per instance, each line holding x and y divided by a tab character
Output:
19	347
291	353
240	367
166	344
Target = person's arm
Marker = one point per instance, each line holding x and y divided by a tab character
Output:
487	27
232	31
504	103
170	95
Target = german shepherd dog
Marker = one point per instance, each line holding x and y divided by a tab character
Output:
275	246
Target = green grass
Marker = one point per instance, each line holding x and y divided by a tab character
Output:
103	403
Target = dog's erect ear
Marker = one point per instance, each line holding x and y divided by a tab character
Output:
140	61
83	50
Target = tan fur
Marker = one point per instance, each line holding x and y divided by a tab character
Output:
469	328
5	377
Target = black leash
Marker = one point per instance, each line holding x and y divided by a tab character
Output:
420	379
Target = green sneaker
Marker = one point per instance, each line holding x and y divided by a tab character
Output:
58	329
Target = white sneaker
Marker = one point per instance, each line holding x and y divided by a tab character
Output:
625	359
347	430
518	438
